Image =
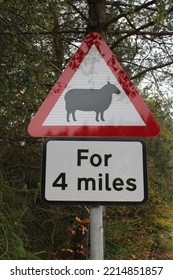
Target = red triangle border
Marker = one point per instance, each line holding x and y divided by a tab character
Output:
36	128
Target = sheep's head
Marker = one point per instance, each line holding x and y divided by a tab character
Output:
112	88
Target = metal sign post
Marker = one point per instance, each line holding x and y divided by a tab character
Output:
96	233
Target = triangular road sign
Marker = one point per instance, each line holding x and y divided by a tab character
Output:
93	97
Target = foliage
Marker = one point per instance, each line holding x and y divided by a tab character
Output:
12	233
138	232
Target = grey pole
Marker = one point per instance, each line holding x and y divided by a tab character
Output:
96	233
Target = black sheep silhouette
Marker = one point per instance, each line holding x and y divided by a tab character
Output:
97	100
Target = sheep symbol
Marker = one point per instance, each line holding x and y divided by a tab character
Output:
97	100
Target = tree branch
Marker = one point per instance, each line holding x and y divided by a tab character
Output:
151	69
150	33
136	9
132	32
78	11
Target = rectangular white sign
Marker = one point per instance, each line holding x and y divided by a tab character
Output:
94	170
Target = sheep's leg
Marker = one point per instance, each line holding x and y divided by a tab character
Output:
74	118
102	118
97	116
68	117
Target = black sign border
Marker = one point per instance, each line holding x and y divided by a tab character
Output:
107	139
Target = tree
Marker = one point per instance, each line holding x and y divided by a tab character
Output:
37	40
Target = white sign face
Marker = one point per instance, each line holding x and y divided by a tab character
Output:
94	73
91	170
